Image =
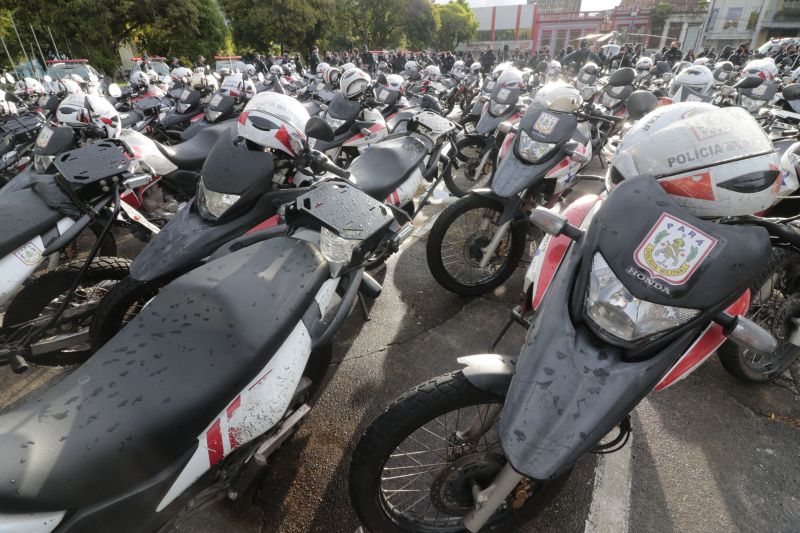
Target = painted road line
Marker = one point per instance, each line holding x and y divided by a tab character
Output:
611	497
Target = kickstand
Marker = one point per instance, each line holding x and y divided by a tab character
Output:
363	303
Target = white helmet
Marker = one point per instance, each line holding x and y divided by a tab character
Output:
250	70
457	71
180	73
553	69
322	67
697	78
276	121
394	82
705	61
510	79
433	73
79	110
644	65
354	82
790	161
139	79
29	87
723	71
201	79
276	70
475	67
410	67
499	69
347	66
713	161
763	68
68	86
331	76
559	96
236	85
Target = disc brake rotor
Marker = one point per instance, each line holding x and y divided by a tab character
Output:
451	491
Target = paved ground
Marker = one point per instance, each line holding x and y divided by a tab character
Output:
710	454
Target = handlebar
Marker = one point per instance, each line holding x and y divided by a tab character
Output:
320	161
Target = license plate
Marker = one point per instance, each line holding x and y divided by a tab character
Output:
216	100
185	94
44	137
383	94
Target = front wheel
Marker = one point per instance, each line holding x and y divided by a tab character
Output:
774	304
119	307
414	468
457	243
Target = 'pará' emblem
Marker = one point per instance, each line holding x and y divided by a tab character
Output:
673	250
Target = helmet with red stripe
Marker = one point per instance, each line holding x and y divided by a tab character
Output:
275	121
81	110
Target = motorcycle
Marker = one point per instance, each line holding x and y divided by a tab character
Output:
477	242
226	104
390	171
262	313
491	445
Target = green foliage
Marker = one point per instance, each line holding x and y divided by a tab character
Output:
660	14
201	30
457	24
421	23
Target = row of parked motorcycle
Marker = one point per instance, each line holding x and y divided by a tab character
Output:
264	201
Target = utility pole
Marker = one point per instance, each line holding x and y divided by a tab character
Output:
53	41
10	59
765	10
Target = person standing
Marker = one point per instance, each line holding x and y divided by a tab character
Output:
579	58
674	53
313	59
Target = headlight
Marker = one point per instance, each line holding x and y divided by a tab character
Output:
617	312
42	162
533	151
497	109
751	104
212	116
336	250
334	122
212	205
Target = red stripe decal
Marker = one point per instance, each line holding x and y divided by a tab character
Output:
260	380
233	406
711	339
396	198
695	186
232	430
494	12
197	117
557	248
214	443
516	29
270	222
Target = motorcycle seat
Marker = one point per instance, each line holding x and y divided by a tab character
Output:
23	216
130	118
138	406
191	154
386	165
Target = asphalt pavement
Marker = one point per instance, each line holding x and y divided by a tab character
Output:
709	454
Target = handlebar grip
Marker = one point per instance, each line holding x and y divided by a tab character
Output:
334	169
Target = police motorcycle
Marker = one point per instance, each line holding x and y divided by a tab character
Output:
235	91
190	106
354	118
263	310
619	312
477	150
694	83
479	101
478	242
22	114
253	170
586	81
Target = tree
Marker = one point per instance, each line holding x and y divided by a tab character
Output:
296	23
457	24
421	23
659	15
382	22
202	31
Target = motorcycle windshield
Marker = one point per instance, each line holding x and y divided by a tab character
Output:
221	103
53	140
341	108
515	173
147	104
570	389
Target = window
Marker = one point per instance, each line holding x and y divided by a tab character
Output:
751	21
732	18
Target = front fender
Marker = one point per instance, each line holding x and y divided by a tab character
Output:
489	372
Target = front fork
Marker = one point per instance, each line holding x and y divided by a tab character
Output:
487	500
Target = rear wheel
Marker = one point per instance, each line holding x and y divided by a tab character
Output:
469	151
414	468
774	303
457	241
44	295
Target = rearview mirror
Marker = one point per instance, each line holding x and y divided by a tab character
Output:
261	77
749	82
114	90
10	78
621	77
46	78
416	76
317	128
